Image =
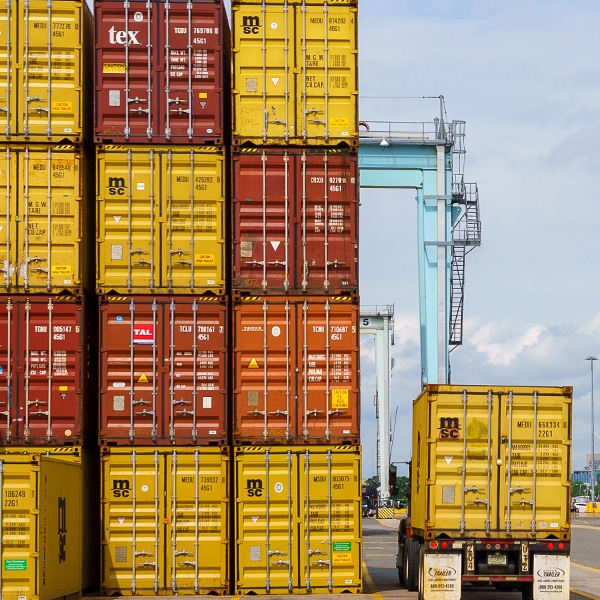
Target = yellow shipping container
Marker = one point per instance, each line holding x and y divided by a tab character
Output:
165	521
160	223
88	484
295	72
41	520
45	70
298	519
491	460
46	227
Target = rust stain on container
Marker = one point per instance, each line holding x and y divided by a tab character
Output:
161	72
296	371
162	370
46	378
295	221
45	71
165	521
298	520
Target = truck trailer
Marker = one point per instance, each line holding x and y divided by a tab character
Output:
489	492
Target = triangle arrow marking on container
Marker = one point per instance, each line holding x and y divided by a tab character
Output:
117	218
275	80
253	364
254	519
143	378
121	520
448	459
275	245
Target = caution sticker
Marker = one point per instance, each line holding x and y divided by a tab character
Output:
204	259
61	270
143	378
339	399
339	122
253	364
113	68
62	107
342	553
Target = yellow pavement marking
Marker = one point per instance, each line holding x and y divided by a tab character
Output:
583	526
584	594
585	567
368	580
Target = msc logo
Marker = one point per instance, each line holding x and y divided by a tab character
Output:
254	488
116	186
62	529
449	428
250	25
123	37
120	488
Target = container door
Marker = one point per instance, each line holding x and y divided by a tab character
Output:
197	522
330	507
264	220
328	389
265	358
125	66
327	89
193	196
50	34
535	450
465	427
328	251
133	541
193	86
129	366
263	73
47	400
19	521
49	232
196	363
128	219
266	523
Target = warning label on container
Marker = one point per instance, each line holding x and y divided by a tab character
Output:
204	259
339	399
62	107
113	68
339	122
342	546
13	564
61	270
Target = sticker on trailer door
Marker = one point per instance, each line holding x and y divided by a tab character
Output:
143	334
442	576
551	577
339	399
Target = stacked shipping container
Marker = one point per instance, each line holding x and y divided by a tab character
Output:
47	331
295	335
160	127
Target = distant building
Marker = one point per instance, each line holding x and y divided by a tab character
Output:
588	460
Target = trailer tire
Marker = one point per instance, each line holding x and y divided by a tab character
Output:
421	572
412	562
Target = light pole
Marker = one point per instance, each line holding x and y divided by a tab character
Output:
593	473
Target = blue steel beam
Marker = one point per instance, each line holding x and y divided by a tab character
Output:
425	166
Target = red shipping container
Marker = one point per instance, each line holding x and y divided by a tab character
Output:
295	221
296	371
47	382
162	370
160	71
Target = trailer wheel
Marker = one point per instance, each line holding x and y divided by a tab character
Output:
412	563
527	591
421	572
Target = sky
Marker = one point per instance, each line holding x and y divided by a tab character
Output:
525	76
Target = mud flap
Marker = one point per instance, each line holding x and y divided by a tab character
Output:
441	577
551	577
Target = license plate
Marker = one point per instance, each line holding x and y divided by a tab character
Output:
496	559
